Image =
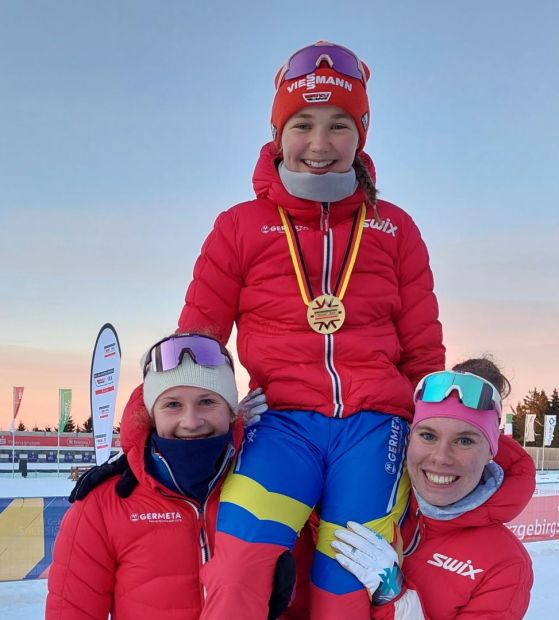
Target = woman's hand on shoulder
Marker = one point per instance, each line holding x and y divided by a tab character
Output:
253	405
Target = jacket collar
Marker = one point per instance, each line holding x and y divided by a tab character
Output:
267	185
491	480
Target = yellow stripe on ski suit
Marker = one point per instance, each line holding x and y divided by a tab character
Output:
263	504
383	526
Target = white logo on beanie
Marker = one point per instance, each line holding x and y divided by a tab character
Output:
317	97
311	81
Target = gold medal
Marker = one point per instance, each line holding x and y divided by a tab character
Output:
326	314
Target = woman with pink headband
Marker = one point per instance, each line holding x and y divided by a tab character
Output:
461	561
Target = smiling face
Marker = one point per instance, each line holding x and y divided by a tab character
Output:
319	139
187	412
446	458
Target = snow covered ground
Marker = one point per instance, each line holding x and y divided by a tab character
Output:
35	487
43	486
25	600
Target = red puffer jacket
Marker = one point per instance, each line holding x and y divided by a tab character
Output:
391	336
471	567
138	557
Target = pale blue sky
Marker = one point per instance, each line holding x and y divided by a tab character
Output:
126	127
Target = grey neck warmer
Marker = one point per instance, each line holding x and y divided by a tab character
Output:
491	480
328	187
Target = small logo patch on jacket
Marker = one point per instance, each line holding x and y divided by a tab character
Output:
278	228
385	226
465	569
156	517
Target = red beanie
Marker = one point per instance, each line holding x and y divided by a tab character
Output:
324	86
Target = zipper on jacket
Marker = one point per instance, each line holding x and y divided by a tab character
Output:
325	216
417	535
200	509
327	290
204	545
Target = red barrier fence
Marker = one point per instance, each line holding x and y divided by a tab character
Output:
540	519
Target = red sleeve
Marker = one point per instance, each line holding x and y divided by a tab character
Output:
81	577
419	330
212	299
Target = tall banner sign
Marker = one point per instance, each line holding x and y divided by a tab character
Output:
64	407
18	395
529	434
549	429
508	424
105	372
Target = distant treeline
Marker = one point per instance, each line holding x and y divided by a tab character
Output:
71	427
536	402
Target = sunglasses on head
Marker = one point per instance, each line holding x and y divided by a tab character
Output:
473	391
309	58
168	353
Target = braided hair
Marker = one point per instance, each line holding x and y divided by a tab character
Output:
367	184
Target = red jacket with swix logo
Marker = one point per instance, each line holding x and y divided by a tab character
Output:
391	336
473	566
138	557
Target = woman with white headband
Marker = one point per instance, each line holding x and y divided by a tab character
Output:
135	544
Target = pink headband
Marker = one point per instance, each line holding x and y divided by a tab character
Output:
487	422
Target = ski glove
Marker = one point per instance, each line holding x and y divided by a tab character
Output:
117	466
252	406
366	554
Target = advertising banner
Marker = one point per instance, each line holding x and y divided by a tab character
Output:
549	429
28	528
508	424
18	395
529	434
64	407
49	440
539	520
105	371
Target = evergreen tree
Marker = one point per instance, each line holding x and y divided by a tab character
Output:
70	426
48	429
21	427
36	429
535	403
554	410
88	425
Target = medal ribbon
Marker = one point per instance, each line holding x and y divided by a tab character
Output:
298	260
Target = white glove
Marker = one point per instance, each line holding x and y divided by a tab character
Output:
366	554
252	406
